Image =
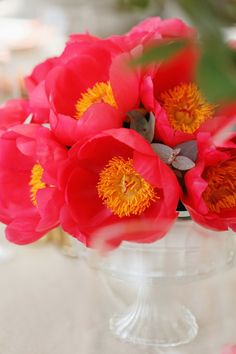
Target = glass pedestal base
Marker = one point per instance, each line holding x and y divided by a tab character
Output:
152	320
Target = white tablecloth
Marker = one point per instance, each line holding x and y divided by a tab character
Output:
53	304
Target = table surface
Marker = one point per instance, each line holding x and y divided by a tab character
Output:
54	304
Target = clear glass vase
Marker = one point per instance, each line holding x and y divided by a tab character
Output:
156	317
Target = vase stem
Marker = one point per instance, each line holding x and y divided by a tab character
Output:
155	319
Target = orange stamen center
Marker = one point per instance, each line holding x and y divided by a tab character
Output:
123	190
36	182
220	194
100	92
186	107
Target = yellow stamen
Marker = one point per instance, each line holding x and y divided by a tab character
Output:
100	92
220	194
186	107
123	190
36	182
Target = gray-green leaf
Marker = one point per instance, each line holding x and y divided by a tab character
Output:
188	149
183	163
143	122
163	151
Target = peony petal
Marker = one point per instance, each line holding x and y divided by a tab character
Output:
39	104
125	83
49	202
39	73
164	131
13	112
22	231
81	191
181	68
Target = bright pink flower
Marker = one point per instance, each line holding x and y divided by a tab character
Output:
91	92
181	108
13	112
30	201
229	349
211	184
116	181
35	82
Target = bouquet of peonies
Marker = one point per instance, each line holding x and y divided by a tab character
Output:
100	143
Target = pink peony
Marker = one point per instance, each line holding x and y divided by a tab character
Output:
211	184
116	180
30	201
90	92
181	108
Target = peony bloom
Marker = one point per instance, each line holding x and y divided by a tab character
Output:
90	92
181	108
35	82
13	112
30	201
211	184
115	179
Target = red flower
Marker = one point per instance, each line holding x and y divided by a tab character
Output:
13	112
181	108
90	92
211	185
30	200
116	181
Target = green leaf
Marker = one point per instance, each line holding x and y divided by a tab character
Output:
224	10
216	73
209	14
160	52
202	14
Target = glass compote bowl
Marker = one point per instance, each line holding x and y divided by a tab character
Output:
188	253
